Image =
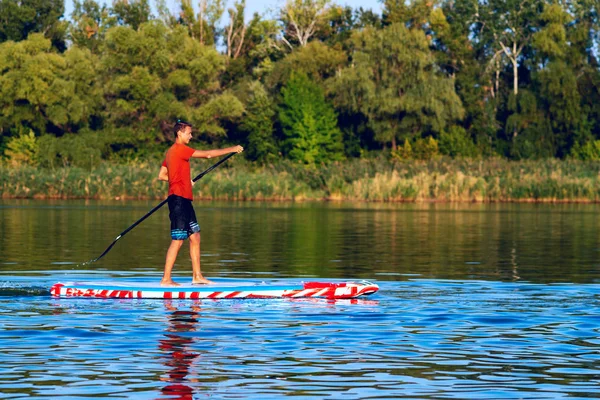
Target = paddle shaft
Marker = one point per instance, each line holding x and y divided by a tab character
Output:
162	203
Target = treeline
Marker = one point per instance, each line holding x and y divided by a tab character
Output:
316	82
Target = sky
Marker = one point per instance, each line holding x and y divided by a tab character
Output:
252	6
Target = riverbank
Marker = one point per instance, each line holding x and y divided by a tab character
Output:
376	180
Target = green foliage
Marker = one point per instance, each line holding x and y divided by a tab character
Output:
403	152
419	149
84	150
376	179
223	107
316	60
455	142
302	19
22	150
309	123
521	78
392	81
257	123
132	12
425	148
20	18
589	151
90	21
36	86
202	26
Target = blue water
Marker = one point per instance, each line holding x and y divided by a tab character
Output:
416	338
475	302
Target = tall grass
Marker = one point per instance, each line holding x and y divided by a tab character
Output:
360	180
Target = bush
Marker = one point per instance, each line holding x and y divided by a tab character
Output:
425	149
22	150
457	143
590	151
404	152
420	149
82	150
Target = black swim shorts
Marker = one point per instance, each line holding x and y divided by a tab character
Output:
183	217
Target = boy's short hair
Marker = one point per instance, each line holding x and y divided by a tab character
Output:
179	125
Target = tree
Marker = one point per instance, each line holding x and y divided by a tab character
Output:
45	91
506	27
302	19
132	13
509	25
316	60
90	23
156	74
29	72
235	31
309	123
392	80
202	26
257	124
450	27
19	18
343	21
265	46
557	78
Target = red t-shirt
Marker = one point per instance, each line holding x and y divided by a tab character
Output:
177	161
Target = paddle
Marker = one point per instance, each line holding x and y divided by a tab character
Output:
162	203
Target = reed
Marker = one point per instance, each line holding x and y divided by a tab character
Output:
378	179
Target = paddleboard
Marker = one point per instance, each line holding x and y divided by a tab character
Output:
230	290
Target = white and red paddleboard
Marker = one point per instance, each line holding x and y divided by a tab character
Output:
229	290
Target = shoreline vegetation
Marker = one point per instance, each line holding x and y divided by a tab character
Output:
364	180
411	102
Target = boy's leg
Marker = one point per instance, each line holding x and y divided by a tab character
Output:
195	256
170	261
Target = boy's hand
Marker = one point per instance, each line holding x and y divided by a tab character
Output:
238	149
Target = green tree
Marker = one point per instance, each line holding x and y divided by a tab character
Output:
22	149
302	19
505	29
235	31
45	91
257	124
90	23
29	75
456	57
309	123
157	74
317	60
264	46
558	87
132	13
202	26
393	81
19	18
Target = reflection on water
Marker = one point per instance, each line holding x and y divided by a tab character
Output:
415	339
508	242
177	346
475	301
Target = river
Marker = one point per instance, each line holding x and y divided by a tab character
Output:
475	301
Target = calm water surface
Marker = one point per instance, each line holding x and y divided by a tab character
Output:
475	301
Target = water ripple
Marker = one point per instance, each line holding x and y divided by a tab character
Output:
416	339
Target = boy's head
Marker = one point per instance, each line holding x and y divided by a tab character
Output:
182	131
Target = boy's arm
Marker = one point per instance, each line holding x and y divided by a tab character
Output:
217	153
163	174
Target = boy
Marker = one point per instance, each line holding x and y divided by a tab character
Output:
176	170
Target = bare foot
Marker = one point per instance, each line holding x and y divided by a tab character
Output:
200	281
170	282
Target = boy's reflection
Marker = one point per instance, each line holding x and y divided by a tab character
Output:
177	347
